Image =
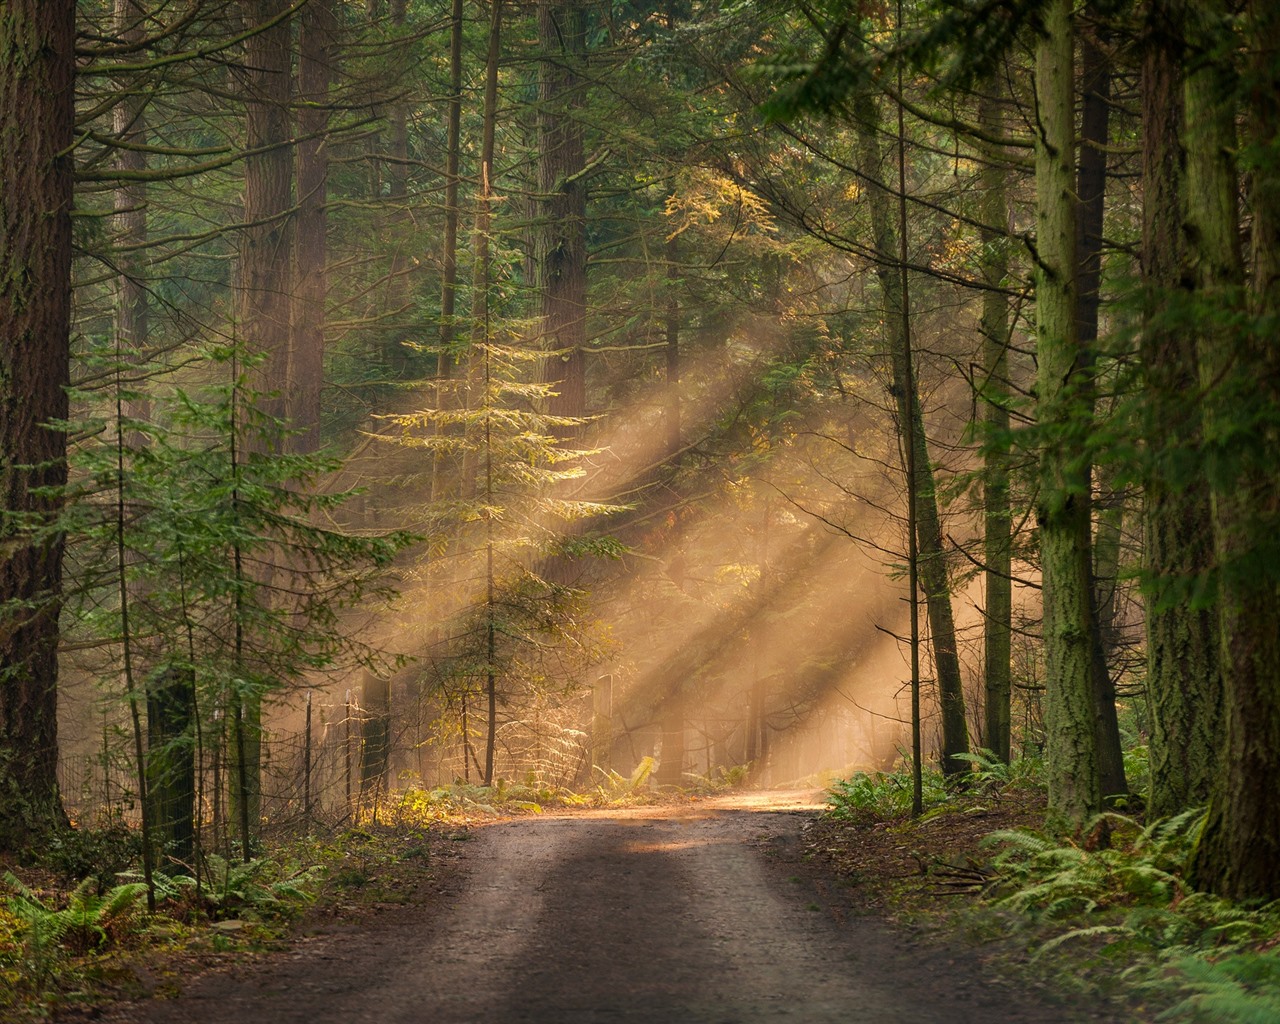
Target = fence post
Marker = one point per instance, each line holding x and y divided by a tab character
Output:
306	766
347	751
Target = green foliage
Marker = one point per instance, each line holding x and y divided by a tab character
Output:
1128	898
722	780
1240	987
1122	865
103	851
89	921
990	771
883	794
615	788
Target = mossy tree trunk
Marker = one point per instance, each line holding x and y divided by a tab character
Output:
1184	680
1063	407
1239	850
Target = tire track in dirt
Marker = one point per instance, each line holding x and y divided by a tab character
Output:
700	915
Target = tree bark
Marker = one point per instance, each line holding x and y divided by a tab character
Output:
1091	189
36	125
1184	676
1239	850
316	30
560	240
997	525
482	270
1063	411
265	299
399	301
444	466
932	555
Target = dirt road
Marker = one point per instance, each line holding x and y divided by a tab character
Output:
654	915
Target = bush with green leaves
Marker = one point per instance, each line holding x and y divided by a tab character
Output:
103	851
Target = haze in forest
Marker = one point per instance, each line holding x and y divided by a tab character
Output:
410	398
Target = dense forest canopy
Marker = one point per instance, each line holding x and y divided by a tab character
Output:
399	392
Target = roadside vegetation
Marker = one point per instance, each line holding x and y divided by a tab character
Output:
1109	915
75	930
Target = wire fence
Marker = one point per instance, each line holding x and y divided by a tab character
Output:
343	761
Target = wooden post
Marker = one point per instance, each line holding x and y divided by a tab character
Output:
306	765
347	750
602	722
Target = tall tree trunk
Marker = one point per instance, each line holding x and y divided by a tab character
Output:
453	143
170	750
36	124
932	555
266	250
560	248
265	298
1184	675
1091	189
482	270
398	301
317	26
129	119
444	466
1063	410
997	525
671	770
1240	374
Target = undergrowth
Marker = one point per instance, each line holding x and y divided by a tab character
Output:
57	938
1117	902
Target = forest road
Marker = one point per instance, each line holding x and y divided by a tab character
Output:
704	914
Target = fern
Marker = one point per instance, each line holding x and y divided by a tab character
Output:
1243	988
84	923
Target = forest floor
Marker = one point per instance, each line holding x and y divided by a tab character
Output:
734	909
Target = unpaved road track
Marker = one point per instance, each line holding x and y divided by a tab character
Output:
704	915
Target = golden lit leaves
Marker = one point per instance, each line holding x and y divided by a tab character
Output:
703	196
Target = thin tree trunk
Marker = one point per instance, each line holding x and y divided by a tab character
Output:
671	770
36	125
1091	187
453	141
482	273
1063	403
928	532
375	733
398	301
169	768
997	539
